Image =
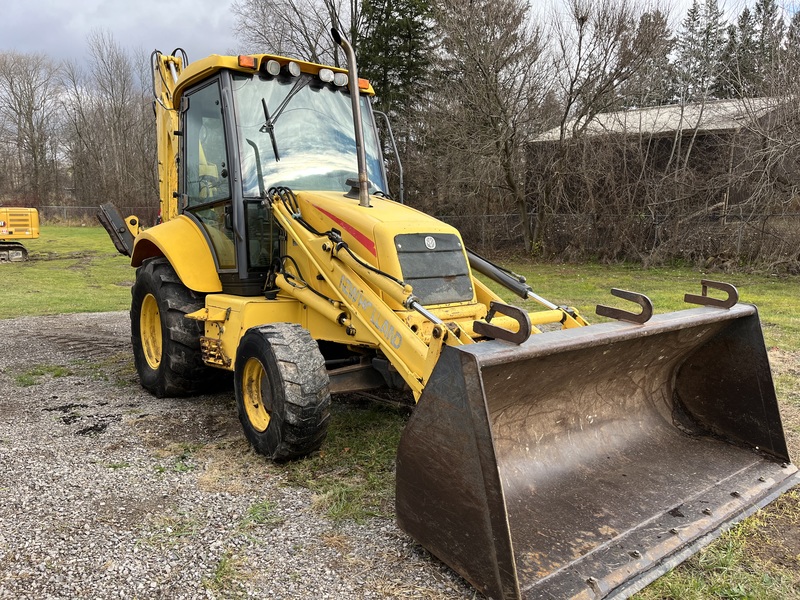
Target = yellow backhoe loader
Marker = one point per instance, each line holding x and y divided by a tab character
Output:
544	458
17	224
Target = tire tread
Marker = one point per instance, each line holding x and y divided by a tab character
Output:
183	372
306	399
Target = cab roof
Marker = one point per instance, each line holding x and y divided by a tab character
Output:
204	68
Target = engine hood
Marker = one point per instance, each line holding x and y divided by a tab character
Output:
399	240
368	231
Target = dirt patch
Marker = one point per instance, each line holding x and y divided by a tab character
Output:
780	537
785	362
791	426
188	427
122	510
89	422
786	373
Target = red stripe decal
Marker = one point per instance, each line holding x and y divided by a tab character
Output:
360	237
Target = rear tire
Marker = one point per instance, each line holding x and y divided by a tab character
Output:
166	345
282	392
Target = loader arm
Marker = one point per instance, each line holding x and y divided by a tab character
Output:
356	306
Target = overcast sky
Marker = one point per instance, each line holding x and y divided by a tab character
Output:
59	28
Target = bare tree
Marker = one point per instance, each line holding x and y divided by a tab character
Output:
110	133
599	46
296	28
490	81
605	54
29	92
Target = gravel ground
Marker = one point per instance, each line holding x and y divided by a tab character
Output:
107	492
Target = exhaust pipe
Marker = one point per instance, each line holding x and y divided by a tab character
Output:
363	182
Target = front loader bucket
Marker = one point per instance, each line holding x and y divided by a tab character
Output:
586	462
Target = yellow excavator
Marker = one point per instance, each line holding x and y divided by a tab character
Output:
544	458
17	224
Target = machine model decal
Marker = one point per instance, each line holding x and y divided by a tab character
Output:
366	307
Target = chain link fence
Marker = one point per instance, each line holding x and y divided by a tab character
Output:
87	215
708	239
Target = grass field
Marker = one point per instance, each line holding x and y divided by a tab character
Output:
71	269
77	269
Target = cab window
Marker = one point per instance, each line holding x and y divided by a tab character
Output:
206	185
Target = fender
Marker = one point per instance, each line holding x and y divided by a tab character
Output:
182	243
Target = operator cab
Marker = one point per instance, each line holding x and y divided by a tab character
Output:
244	132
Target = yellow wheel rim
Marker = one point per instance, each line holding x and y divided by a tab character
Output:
253	380
150	330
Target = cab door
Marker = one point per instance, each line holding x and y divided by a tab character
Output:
205	182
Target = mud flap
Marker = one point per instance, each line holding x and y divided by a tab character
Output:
585	463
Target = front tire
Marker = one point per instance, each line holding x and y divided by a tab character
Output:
166	345
282	392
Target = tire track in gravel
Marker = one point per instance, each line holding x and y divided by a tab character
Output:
97	352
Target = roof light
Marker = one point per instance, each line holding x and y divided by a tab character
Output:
363	84
293	68
271	67
340	79
326	75
248	62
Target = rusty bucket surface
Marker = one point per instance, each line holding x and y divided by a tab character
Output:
584	463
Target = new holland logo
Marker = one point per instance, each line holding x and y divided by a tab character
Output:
430	243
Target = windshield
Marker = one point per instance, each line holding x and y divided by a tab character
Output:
308	145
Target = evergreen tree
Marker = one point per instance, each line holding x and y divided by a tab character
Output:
740	75
700	46
689	59
394	50
792	46
769	32
651	84
748	71
726	84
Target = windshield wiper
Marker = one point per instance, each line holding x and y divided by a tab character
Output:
269	127
269	124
